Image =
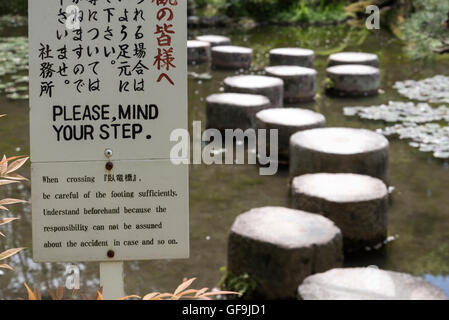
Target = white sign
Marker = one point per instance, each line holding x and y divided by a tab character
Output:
119	81
83	213
108	85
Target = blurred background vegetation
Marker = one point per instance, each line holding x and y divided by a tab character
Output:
423	23
19	7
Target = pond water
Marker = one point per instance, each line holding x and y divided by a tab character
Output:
418	216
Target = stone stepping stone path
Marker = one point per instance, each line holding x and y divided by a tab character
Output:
198	52
299	82
215	40
231	57
339	150
357	204
288	121
353	80
279	247
292	57
340	58
271	87
367	284
234	110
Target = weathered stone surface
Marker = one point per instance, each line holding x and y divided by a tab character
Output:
231	57
340	58
234	110
367	284
353	80
279	247
272	88
215	40
193	21
292	57
288	121
339	150
299	82
357	204
198	52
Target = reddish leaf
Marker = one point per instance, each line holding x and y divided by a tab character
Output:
16	165
31	295
184	285
8	253
11	201
4	182
7	220
6	266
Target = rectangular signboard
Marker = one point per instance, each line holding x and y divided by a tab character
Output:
118	81
81	212
108	85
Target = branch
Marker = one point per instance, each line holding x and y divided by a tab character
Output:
441	50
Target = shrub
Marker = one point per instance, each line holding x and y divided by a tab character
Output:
14	7
8	166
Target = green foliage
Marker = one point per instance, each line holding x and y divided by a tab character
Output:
329	84
210	7
425	29
13	7
288	10
303	12
243	284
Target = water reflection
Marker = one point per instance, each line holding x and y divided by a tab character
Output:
220	193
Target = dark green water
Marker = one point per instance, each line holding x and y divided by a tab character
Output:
419	214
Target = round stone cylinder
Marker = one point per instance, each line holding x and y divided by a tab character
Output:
299	82
357	204
339	150
215	40
198	52
292	57
231	57
367	284
271	87
353	80
279	247
234	110
340	58
288	121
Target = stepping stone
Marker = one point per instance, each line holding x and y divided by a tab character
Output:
357	204
234	110
299	82
279	247
367	284
215	40
288	121
339	150
271	87
231	57
198	52
368	59
353	80
292	57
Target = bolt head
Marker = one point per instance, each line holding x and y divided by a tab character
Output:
108	153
